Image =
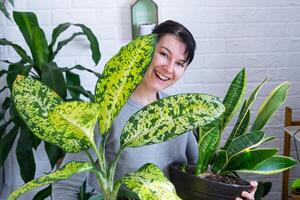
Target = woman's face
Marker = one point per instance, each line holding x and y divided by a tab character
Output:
168	63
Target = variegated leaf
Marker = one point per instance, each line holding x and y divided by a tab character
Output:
234	97
121	75
63	173
34	101
207	145
245	142
243	121
169	117
270	105
273	165
76	121
149	182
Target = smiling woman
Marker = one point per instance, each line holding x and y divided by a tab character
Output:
173	52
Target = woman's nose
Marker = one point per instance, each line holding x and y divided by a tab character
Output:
168	67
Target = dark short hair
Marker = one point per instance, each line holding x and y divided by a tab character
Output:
177	29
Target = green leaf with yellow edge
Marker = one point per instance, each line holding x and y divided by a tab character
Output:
76	121
121	75
273	165
271	104
34	101
245	142
63	173
249	159
169	117
243	120
149	182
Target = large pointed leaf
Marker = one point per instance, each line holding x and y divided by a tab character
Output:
234	97
149	182
34	101
271	104
76	121
25	155
54	78
273	165
63	173
33	35
121	75
169	117
245	142
20	51
207	146
249	159
26	21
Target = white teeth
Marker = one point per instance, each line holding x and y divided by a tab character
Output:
162	77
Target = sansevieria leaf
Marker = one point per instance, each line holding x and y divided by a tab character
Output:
273	165
121	75
63	173
243	121
207	145
149	182
34	101
249	159
75	120
169	117
245	142
234	97
271	104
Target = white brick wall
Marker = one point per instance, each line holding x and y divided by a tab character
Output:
263	35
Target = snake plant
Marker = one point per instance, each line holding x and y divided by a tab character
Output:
39	64
240	152
70	125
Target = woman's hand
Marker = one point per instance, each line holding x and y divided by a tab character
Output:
247	195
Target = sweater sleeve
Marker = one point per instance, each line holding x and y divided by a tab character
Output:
192	149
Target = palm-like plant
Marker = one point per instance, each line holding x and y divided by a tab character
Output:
40	66
240	152
70	125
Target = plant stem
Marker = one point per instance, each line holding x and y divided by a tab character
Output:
111	171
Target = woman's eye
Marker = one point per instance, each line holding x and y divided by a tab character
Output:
164	54
180	64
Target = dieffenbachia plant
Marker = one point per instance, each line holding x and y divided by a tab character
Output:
70	125
39	64
240	152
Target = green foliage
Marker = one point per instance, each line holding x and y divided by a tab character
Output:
40	65
165	119
120	77
296	186
74	123
63	173
158	186
3	8
240	152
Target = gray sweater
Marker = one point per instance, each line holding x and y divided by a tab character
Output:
181	149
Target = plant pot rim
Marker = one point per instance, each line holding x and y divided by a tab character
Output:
176	165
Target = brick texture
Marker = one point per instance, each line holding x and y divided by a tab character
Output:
261	35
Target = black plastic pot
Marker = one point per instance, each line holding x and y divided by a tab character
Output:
190	187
